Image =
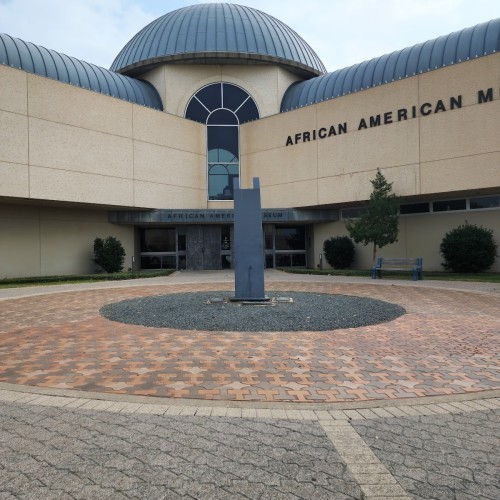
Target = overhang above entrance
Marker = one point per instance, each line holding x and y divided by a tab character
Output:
274	215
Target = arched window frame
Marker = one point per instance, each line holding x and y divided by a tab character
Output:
218	193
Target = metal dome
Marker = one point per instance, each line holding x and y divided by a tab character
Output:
51	64
217	33
469	43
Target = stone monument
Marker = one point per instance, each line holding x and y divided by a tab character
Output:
248	244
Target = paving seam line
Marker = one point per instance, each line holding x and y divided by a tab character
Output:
368	471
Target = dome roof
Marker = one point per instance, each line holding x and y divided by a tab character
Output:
51	64
470	43
217	33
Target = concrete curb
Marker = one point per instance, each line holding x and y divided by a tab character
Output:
432	405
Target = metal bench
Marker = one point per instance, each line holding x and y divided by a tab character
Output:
398	264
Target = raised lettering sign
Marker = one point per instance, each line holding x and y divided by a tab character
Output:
388	117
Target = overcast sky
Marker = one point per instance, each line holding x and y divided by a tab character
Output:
342	32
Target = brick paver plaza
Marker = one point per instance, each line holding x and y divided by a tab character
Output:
91	408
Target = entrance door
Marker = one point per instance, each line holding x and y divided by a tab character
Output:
203	246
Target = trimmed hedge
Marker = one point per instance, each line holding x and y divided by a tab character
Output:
47	280
339	251
468	249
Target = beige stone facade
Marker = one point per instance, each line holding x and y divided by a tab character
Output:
69	155
43	240
177	84
443	152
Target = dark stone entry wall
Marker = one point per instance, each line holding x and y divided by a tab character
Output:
203	247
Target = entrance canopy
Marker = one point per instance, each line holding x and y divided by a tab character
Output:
274	215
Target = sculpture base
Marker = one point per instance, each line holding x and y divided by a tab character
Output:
251	300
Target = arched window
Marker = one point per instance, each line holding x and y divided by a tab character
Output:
222	107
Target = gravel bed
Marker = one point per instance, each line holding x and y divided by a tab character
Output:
207	311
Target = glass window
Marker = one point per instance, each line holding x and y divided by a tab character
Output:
211	96
299	260
448	205
225	261
181	242
197	112
414	208
222	144
221	156
221	181
353	213
485	202
290	238
268	237
285	246
290	259
248	112
158	240
158	262
222	106
269	260
225	235
234	97
222	117
283	260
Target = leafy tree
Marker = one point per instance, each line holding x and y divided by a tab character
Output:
468	249
339	251
109	254
379	225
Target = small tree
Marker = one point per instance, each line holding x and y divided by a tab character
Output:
379	225
109	254
468	249
339	251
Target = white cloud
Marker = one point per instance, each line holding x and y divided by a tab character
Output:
346	32
92	30
342	32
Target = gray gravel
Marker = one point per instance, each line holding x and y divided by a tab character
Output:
199	311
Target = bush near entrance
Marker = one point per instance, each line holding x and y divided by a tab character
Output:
109	254
468	249
339	252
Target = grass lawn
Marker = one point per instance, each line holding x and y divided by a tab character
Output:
86	278
89	278
428	275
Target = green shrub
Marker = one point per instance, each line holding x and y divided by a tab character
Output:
339	251
468	249
109	254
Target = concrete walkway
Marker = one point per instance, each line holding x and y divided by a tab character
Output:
65	443
186	277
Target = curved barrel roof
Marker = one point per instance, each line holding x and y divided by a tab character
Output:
41	61
214	33
480	40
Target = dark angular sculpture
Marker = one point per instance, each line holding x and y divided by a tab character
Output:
248	244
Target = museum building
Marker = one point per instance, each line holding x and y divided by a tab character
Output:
148	150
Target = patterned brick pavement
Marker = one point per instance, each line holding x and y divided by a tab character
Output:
447	343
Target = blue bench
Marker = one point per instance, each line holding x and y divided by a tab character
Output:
398	264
